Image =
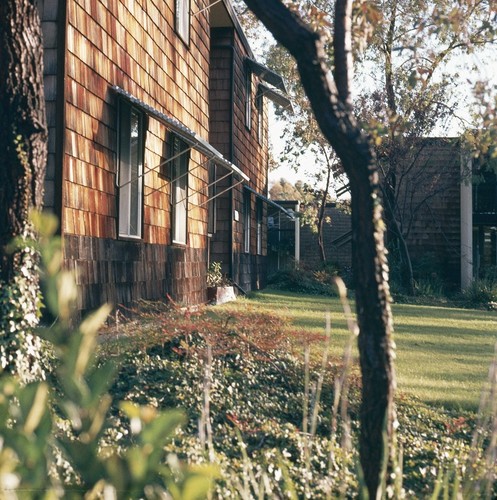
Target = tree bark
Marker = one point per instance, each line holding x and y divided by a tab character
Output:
369	261
23	156
23	137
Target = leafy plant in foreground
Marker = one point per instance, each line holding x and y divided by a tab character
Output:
51	434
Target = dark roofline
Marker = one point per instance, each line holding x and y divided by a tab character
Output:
238	27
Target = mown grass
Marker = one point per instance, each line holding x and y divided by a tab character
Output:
443	353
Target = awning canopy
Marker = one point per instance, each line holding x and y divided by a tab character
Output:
288	213
275	96
186	134
266	74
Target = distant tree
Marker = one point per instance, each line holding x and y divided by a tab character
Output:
23	154
403	51
415	93
284	190
330	97
306	148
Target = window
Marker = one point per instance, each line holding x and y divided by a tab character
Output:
130	176
212	206
259	215
180	158
248	98
183	20
260	117
246	221
485	193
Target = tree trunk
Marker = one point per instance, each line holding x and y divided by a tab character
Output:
394	231
321	214
330	101
23	138
23	150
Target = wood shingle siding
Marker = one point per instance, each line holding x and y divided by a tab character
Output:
120	86
230	134
132	45
434	185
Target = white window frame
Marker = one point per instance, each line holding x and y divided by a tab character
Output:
259	214
259	102
130	171
183	19
247	201
248	98
179	189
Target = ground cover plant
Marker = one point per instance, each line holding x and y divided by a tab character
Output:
269	409
252	365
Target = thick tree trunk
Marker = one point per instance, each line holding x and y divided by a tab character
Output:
23	137
330	101
23	155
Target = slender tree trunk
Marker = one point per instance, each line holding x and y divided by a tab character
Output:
398	240
406	274
23	155
321	214
330	101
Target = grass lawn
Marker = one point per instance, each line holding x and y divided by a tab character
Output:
443	353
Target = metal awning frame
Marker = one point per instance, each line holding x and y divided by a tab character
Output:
148	170
182	131
289	214
266	74
276	97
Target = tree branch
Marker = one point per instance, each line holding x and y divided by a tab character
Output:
342	45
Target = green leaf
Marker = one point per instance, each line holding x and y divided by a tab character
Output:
162	428
197	486
137	463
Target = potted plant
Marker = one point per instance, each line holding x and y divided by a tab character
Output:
219	288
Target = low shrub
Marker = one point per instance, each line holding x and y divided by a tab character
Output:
246	367
481	293
300	280
53	433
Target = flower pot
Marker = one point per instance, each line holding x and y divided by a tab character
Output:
220	294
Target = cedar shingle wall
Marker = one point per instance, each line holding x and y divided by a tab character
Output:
231	136
432	192
338	247
221	60
133	45
252	158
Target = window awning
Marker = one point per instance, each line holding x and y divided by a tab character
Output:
188	135
275	96
342	190
266	74
288	213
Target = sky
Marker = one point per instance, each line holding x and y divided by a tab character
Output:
486	63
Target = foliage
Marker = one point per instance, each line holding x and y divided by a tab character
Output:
21	352
481	293
284	190
302	280
51	431
255	381
247	365
215	276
